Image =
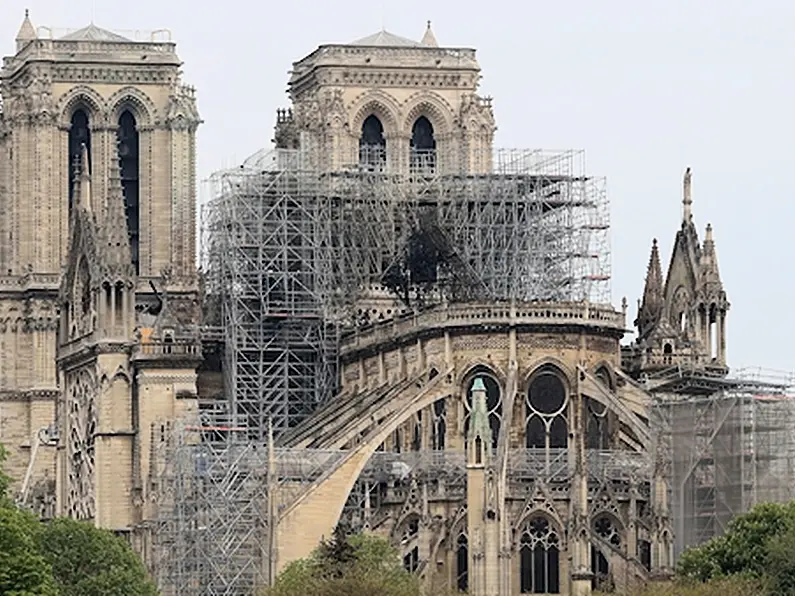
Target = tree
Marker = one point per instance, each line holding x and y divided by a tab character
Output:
87	561
64	557
745	547
23	570
359	565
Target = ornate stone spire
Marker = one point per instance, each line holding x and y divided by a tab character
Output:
709	259
653	298
113	225
687	197
82	187
429	39
27	32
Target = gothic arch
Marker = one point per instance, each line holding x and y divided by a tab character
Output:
607	367
403	520
328	495
473	365
552	517
433	107
548	363
375	103
85	97
137	102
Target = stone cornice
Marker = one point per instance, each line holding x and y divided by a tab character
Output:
28	395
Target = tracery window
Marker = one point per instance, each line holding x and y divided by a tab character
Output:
605	528
422	157
546	425
539	557
372	144
493	404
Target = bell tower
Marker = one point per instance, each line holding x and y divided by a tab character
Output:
388	103
109	108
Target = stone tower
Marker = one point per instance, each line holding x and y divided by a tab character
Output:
389	103
682	322
97	253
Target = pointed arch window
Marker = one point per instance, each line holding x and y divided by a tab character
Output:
372	144
539	557
439	424
462	562
422	157
129	163
79	135
546	424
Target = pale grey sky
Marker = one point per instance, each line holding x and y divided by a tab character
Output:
646	88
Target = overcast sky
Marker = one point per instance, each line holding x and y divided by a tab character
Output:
646	88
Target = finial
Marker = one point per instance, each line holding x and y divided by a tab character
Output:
654	242
429	22
709	233
27	13
687	196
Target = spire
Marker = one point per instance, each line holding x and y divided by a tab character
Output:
479	438
709	258
82	178
653	299
687	197
26	33
114	224
429	39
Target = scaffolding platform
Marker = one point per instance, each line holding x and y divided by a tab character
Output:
292	252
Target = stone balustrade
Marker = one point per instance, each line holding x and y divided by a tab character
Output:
534	314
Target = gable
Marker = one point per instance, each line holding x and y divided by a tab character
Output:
683	267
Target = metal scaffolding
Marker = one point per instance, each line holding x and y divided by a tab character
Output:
291	252
729	444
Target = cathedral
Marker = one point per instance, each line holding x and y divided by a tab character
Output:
524	421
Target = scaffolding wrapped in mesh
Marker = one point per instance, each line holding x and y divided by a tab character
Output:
728	448
295	253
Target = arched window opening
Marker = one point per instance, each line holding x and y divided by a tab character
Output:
546	425
423	147
372	144
118	314
713	332
462	563
439	427
79	135
644	553
411	560
129	162
606	530
539	558
597	435
493	404
397	441
416	437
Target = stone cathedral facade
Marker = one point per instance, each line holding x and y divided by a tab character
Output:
536	404
98	266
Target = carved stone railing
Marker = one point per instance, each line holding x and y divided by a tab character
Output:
541	314
159	350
